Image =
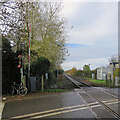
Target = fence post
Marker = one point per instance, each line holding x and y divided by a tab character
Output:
113	81
110	81
105	80
42	83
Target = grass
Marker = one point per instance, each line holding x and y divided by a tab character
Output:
100	83
55	90
97	81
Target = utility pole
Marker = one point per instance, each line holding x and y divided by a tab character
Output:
42	83
29	51
21	69
29	57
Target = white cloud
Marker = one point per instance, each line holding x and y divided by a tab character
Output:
104	25
72	1
91	0
96	29
79	64
68	9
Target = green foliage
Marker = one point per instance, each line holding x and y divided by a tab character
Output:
48	35
71	71
86	70
40	66
117	72
10	71
97	81
47	29
78	73
55	90
51	79
60	71
95	73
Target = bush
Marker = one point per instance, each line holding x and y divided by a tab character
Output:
51	79
10	71
78	73
40	66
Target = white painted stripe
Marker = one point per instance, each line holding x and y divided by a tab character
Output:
53	110
110	100
101	105
77	109
51	114
71	109
1	109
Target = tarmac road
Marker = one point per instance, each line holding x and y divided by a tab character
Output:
75	103
56	105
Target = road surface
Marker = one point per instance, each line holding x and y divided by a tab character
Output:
56	105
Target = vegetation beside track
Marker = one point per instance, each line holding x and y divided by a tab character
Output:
64	83
55	90
96	83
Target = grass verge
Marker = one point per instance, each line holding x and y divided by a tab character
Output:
55	90
97	81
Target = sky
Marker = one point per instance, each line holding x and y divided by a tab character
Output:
94	36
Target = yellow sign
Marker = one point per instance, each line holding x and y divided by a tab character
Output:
109	74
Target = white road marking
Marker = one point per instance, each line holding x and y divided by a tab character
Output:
51	114
53	110
1	109
64	110
77	109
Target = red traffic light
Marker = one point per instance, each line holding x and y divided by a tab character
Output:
19	66
19	56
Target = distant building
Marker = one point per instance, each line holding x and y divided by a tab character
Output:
102	71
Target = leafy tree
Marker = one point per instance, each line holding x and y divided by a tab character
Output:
79	73
48	29
86	70
72	71
10	71
95	73
40	66
117	72
48	34
59	70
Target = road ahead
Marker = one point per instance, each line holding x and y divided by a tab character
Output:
55	105
76	103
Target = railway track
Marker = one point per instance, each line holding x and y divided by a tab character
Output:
80	85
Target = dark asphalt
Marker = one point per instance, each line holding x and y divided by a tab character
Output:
48	102
106	99
105	95
100	111
76	103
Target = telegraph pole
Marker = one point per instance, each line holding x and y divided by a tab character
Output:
29	56
29	51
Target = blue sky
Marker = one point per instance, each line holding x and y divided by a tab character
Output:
94	36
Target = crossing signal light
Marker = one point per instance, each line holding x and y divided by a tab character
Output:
20	61
19	66
19	56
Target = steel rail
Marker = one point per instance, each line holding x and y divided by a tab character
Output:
99	101
95	88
